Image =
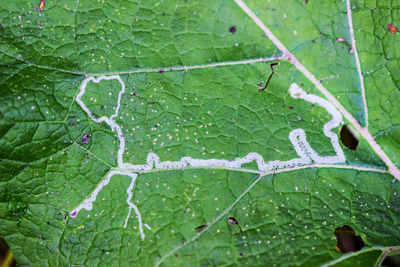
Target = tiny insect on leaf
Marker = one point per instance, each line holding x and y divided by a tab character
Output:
41	6
85	139
392	28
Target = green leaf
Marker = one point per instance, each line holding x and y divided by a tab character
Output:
171	133
366	257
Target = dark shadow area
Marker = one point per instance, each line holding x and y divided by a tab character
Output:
348	138
347	241
391	261
6	257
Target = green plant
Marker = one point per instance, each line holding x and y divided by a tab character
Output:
198	132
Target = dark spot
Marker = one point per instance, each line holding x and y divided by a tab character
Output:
290	107
232	29
176	255
241	254
101	107
348	138
163	13
103	250
85	139
232	221
41	238
201	228
347	240
48	223
73	214
161	71
313	41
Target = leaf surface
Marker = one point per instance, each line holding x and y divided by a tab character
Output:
136	133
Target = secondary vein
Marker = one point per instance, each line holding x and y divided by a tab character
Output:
353	44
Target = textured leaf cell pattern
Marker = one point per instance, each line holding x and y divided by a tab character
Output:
203	133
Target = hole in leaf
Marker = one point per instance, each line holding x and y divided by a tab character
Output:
347	240
231	222
349	137
391	261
